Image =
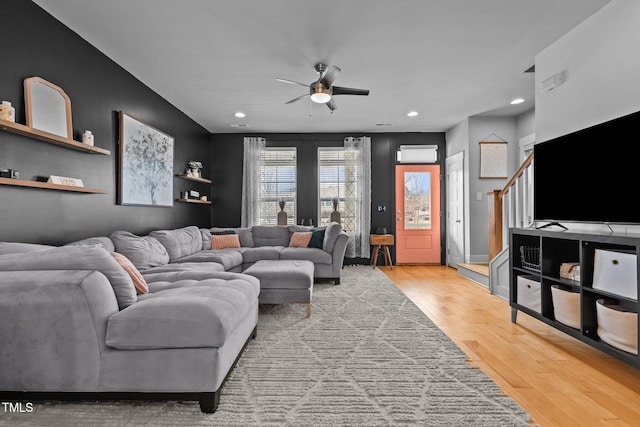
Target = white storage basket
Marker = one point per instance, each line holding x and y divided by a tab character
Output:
616	272
617	326
529	293
566	306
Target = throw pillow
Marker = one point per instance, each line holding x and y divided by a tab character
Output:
300	239
138	281
317	238
224	241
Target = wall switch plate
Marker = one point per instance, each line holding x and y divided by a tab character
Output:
382	208
479	195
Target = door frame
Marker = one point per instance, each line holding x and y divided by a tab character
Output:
455	158
443	226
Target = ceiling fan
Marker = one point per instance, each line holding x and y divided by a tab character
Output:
322	90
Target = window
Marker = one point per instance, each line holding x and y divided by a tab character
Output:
277	181
337	178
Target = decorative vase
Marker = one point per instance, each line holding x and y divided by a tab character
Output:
87	137
335	215
7	112
282	215
195	173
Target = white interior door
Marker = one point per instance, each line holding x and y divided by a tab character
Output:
455	209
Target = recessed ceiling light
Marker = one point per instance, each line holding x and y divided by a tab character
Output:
240	114
412	113
517	101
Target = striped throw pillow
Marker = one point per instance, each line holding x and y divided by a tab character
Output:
224	241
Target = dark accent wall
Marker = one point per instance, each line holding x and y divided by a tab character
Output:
36	44
227	158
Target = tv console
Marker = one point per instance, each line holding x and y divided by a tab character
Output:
536	257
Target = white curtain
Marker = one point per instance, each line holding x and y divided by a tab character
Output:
253	146
358	193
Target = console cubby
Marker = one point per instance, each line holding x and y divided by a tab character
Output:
556	248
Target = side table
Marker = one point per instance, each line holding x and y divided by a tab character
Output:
381	243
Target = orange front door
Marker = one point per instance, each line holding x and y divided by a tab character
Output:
418	214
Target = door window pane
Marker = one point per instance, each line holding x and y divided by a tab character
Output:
417	200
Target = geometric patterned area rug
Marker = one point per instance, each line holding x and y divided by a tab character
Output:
367	356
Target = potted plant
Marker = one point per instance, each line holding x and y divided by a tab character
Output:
194	169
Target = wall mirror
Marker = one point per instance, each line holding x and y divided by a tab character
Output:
48	107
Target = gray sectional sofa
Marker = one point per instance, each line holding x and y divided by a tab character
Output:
73	325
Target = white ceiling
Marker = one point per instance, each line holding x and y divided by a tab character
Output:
445	59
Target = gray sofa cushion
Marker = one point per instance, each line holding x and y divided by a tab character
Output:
318	256
143	252
103	241
205	234
180	242
16	248
193	278
246	237
229	258
295	228
178	271
269	235
77	257
195	314
331	234
251	255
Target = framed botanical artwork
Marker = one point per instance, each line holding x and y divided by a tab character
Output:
145	164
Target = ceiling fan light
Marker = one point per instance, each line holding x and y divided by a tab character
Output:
320	97
320	93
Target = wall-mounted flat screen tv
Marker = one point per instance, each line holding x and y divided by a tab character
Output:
591	175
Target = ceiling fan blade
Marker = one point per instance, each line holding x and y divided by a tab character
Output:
330	75
332	105
337	90
291	82
296	99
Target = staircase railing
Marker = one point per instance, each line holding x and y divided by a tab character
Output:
512	206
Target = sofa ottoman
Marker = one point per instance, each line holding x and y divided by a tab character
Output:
284	281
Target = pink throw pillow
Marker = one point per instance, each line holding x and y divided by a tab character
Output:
300	239
224	241
138	281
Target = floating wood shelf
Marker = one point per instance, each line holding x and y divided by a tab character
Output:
202	202
27	131
191	178
48	186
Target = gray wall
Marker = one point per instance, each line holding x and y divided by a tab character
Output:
465	137
600	57
38	45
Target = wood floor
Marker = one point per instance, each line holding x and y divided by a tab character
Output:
557	379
